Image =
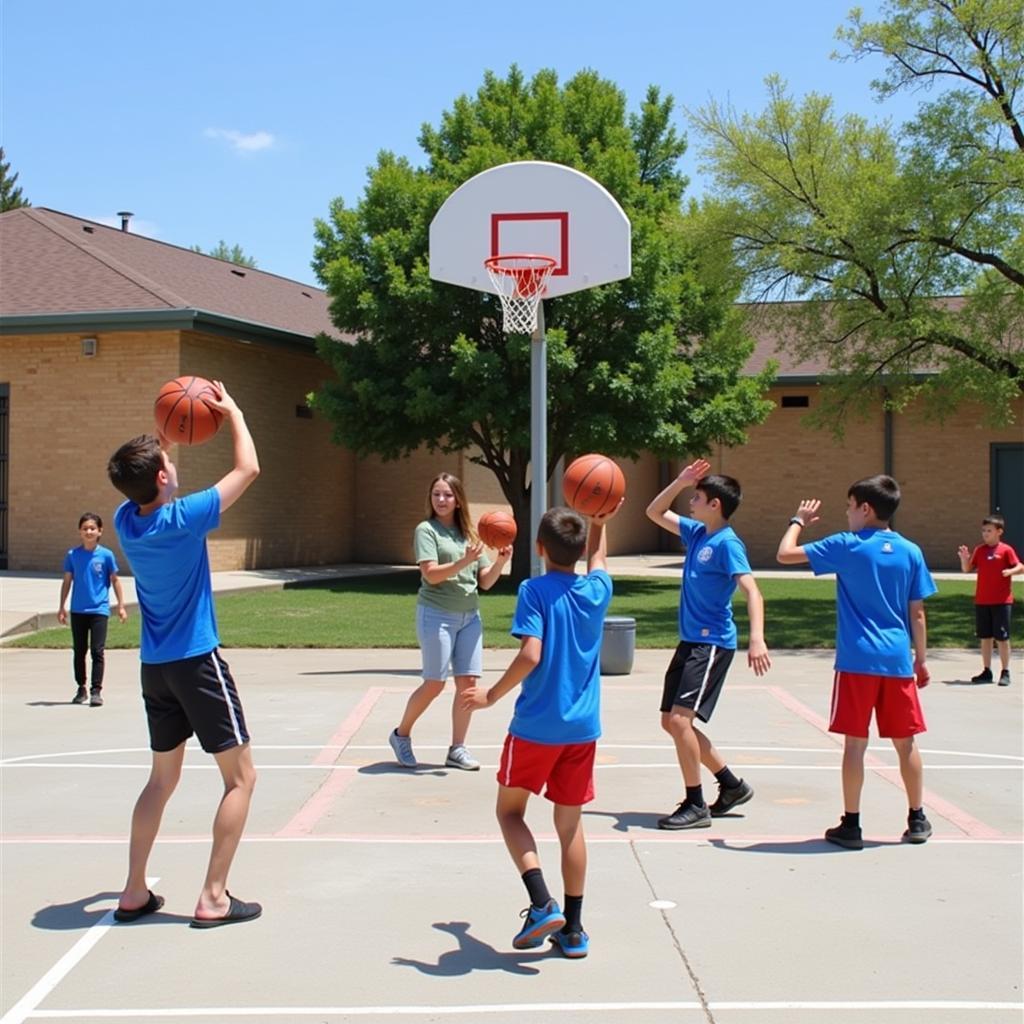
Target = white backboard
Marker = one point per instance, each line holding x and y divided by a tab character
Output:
535	207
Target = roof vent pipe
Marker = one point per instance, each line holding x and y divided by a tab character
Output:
125	215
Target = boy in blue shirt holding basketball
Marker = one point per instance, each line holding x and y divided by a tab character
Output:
881	584
186	685
552	739
716	564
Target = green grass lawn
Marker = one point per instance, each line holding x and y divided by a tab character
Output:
379	611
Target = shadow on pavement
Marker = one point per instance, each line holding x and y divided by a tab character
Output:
473	955
78	915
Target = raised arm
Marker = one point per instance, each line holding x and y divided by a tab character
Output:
790	552
660	509
247	465
492	573
597	541
964	554
434	573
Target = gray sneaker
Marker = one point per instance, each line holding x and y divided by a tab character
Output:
1004	677
460	757
402	746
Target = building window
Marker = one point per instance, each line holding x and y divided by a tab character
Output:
795	402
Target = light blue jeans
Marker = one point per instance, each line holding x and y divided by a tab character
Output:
451	642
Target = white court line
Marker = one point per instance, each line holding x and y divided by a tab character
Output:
194	748
26	1006
522	1008
752	766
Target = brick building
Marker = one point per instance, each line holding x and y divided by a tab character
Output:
94	319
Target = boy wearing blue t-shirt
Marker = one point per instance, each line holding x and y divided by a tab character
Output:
186	685
716	564
881	584
559	619
90	570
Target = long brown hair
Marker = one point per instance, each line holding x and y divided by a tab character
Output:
463	518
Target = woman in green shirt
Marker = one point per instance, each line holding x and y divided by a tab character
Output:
453	568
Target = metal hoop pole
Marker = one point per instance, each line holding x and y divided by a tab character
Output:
538	435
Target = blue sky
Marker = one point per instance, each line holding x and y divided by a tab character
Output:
242	120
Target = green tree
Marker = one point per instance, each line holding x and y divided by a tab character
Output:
911	235
650	363
234	254
10	195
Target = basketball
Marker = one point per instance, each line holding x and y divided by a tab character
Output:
497	529
182	413
593	485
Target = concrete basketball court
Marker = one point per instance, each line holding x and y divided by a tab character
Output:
388	894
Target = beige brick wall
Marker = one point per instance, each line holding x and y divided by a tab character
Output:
300	510
67	415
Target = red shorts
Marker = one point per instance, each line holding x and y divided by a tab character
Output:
893	699
567	769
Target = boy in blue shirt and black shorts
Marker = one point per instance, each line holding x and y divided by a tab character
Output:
551	742
716	564
881	584
186	685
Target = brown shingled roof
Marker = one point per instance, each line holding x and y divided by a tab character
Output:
53	263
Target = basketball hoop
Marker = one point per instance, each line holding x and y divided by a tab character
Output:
520	280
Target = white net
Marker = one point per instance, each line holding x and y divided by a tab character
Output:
520	281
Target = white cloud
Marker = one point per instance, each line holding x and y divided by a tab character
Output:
241	142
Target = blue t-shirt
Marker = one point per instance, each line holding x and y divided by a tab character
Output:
167	552
878	574
709	581
91	572
560	700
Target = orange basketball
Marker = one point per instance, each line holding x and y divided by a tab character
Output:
593	485
182	413
497	529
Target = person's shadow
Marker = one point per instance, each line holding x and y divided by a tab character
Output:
393	768
627	820
473	955
80	914
795	846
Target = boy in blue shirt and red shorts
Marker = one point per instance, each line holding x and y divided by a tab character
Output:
881	584
186	685
551	742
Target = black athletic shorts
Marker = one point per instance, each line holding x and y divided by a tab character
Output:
695	678
992	621
194	695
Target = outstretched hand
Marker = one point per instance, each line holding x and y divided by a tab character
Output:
603	518
695	471
474	698
807	511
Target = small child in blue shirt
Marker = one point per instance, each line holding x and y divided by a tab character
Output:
90	570
552	739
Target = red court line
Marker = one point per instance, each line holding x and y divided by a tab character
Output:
968	824
306	818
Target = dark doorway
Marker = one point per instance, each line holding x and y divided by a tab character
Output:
1007	476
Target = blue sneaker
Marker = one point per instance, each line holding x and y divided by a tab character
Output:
540	923
574	945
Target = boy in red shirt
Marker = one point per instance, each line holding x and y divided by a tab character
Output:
996	564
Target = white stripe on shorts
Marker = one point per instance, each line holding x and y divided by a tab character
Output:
508	766
227	699
704	681
835	700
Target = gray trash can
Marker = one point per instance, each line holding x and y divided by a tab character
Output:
617	645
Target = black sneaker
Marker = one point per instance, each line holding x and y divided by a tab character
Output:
80	696
732	797
984	676
687	816
847	836
919	830
95	699
1004	677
